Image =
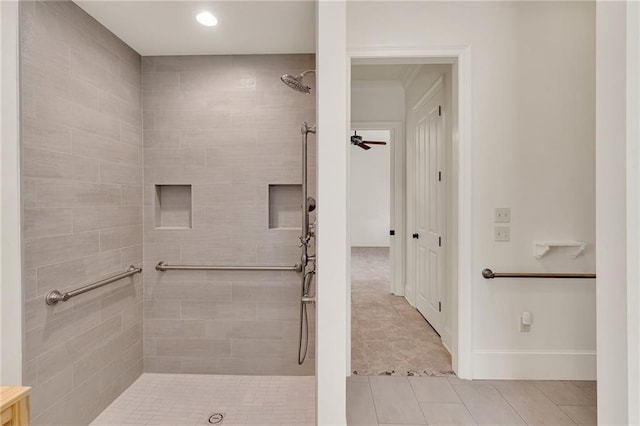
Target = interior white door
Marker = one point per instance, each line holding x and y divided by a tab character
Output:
429	209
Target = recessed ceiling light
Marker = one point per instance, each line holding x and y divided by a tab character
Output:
207	19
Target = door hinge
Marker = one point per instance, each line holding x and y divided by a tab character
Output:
439	241
392	232
416	236
439	306
439	110
439	176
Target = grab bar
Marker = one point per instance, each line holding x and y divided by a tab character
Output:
163	266
489	274
54	296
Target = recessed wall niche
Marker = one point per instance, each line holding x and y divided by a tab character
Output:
285	202
173	206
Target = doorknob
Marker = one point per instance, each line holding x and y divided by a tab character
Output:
416	236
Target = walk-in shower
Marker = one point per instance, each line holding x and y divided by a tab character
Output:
180	166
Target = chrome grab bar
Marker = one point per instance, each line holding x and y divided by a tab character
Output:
489	274
54	296
163	266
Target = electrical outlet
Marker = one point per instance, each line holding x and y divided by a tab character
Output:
502	215
502	233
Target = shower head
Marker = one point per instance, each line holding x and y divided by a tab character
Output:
295	82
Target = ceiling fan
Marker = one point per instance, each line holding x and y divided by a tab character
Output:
357	140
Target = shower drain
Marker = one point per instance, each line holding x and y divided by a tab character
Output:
216	418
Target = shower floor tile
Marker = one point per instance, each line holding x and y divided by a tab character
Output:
189	399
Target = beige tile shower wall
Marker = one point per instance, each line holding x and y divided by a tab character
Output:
227	126
82	210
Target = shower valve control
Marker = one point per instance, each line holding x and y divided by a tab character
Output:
304	241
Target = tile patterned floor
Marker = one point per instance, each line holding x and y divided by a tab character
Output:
387	334
189	399
386	401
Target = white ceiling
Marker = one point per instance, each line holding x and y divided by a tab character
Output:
244	27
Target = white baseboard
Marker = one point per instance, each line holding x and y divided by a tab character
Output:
534	365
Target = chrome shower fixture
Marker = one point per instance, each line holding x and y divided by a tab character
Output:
311	204
295	81
306	129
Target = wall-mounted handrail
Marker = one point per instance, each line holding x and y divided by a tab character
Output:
489	274
54	296
163	266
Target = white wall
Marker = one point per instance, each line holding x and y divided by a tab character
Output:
633	211
332	238
618	212
10	266
533	81
421	83
370	191
380	104
377	101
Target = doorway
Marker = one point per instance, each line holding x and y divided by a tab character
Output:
397	195
389	336
377	195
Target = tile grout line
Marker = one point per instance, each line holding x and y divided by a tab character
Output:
510	405
462	401
567	382
375	409
518	413
415	396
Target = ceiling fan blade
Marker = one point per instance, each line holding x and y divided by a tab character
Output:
363	146
375	142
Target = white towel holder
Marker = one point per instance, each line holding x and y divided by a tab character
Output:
541	248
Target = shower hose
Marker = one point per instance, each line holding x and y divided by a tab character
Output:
303	342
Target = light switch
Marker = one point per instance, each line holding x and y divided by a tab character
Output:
502	233
502	215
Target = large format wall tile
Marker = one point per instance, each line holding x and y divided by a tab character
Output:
82	202
228	127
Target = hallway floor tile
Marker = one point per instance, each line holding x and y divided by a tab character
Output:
388	335
386	401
